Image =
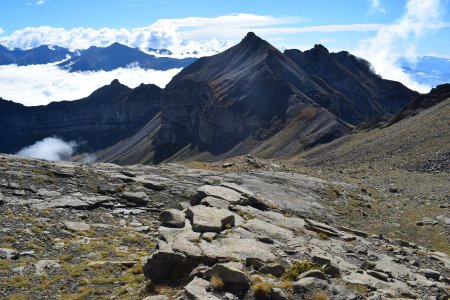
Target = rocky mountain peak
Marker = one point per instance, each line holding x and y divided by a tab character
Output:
115	82
319	48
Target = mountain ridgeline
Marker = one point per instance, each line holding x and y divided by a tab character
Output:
249	99
119	56
107	58
108	115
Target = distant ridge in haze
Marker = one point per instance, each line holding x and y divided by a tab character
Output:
40	55
95	58
120	56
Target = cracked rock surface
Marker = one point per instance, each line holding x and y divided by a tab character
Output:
76	231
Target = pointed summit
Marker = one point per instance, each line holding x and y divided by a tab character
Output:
319	48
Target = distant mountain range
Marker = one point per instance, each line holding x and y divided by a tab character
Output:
94	59
40	55
249	99
427	70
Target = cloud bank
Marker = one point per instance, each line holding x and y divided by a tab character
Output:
399	40
42	84
50	148
204	35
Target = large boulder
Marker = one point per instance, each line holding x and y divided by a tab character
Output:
172	218
210	219
168	267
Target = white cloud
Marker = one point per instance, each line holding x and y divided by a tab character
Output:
1	30
50	148
376	6
178	35
399	40
42	84
40	2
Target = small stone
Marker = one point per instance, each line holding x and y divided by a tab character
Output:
278	294
430	274
312	273
172	218
59	245
153	185
274	269
158	297
309	284
43	266
209	236
142	229
427	221
236	281
76	226
197	289
228	165
46	193
128	173
378	275
6	253
136	197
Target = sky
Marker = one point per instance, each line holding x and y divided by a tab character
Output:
381	31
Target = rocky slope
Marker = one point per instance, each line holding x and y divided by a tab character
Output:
408	158
369	95
76	231
100	120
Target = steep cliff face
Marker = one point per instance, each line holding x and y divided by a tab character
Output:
352	77
105	117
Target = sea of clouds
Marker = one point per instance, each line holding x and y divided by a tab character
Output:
42	84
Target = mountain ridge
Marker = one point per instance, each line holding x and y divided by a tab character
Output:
103	118
254	99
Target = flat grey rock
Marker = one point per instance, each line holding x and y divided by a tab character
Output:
218	192
237	249
215	202
76	226
136	197
266	229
